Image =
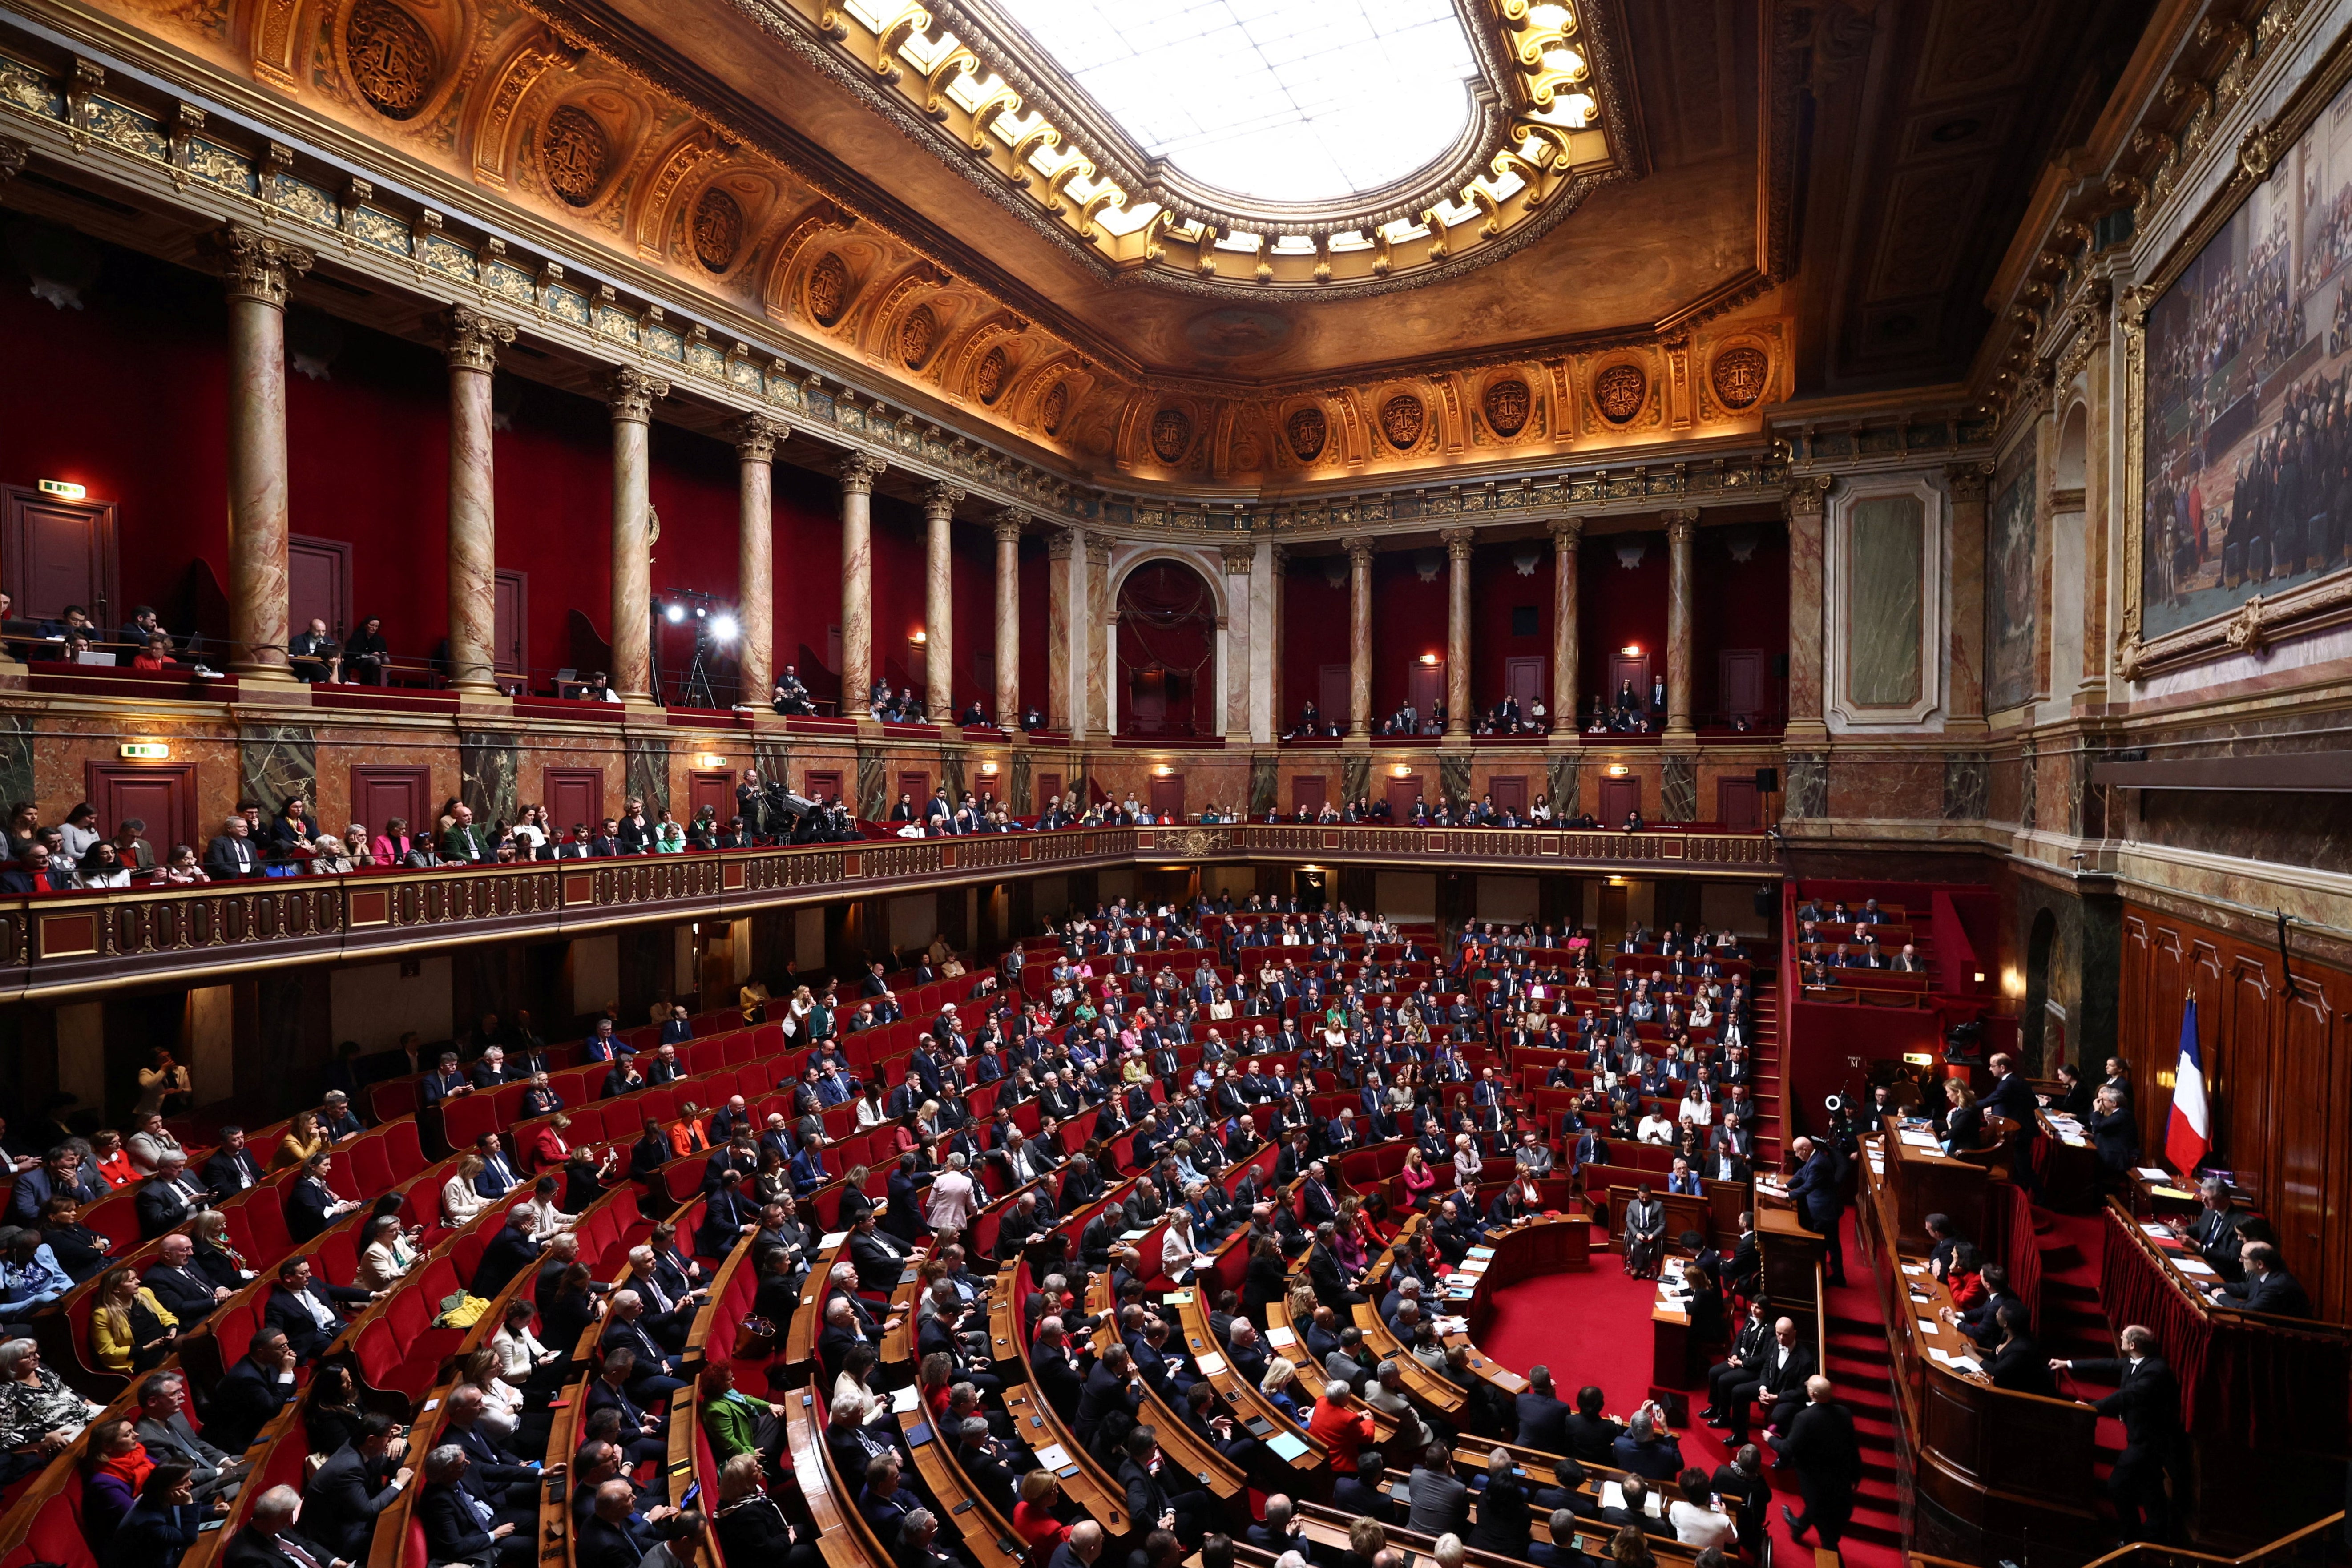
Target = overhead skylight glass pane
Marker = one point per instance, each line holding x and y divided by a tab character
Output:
1281	99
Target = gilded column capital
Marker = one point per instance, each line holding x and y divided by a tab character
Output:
756	436
1241	560
472	340
1808	495
1567	532
1968	481
1281	557
1681	524
941	499
1061	544
1457	541
257	266
857	472
1360	553
1098	553
13	155
631	394
1009	522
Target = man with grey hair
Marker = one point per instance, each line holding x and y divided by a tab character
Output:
163	1426
915	1549
1276	1535
1449	1550
170	1198
627	1328
460	1527
268	1539
1387	1395
953	1201
611	1537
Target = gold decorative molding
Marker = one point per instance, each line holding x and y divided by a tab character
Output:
471	341
858	471
631	394
257	266
756	436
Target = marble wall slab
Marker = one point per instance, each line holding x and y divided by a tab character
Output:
16	780
1265	785
1887	538
1355	778
1679	790
1808	794
489	762
1560	784
2012	584
951	771
648	770
872	783
1967	786
2029	801
1453	775
276	763
1019	798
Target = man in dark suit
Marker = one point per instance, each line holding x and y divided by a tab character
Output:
2148	1401
510	1252
1183	1512
879	1258
358	1482
1543	1414
233	854
460	1527
1748	1349
509	1484
2214	1231
184	1292
611	1536
165	1427
306	1310
1815	1189
251	1394
2016	1362
1365	1492
1052	1368
170	1198
1777	1383
312	1205
268	1539
2267	1286
1591	1436
1743	1484
2012	1098
232	1168
1820	1444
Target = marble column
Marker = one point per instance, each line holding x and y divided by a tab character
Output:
756	435
939	502
257	269
1806	505
631	394
471	342
1009	523
1682	533
1457	631
1102	635
1061	566
1360	638
1241	563
858	473
1567	539
1964	656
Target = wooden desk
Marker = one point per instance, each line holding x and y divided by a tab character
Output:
1037	1422
1790	1257
1683	1213
1670	1331
1247	1399
1925	1181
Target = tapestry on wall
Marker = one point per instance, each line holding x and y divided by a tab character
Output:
2012	594
2247	436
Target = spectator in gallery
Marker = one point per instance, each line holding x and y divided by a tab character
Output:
314	656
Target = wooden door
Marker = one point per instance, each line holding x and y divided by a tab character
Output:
318	584
1046	789
1629	668
822	783
1739	673
161	794
713	787
1168	798
56	552
1613	913
511	639
1737	805
916	786
1524	678
575	797
1425	684
1618	798
1402	792
1510	793
380	792
1308	791
1333	686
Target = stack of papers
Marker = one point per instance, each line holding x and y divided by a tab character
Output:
2190	1265
1052	1457
2154	1173
1211	1363
1280	1336
833	1238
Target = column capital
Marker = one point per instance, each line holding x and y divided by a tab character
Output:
13	155
1061	544
471	339
1281	557
1360	553
1808	495
1681	524
941	499
1457	541
1968	481
1009	522
857	472
1098	552
755	437
631	394
257	266
1241	560
1567	532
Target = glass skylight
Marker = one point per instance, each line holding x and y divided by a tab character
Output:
1279	99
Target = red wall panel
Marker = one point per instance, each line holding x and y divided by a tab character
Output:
1619	606
1737	604
1408	621
1495	590
1314	634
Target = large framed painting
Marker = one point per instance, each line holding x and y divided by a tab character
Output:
2012	587
2244	422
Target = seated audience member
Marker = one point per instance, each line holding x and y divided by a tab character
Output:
366	655
314	656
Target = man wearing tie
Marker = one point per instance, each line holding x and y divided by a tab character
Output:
497	1177
232	1168
1815	1190
169	1198
233	854
2148	1401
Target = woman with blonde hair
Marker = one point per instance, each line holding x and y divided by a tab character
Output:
302	1141
1281	1377
130	1330
459	1201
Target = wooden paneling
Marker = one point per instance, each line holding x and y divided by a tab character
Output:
1619	798
1308	791
575	797
1168	798
2277	1075
161	794
55	552
713	787
318	584
381	791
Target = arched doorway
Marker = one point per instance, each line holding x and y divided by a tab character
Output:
1166	652
2039	946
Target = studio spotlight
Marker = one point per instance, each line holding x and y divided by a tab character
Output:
723	627
675	614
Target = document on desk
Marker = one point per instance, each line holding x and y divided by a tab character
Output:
1919	1139
1927	1325
1210	1365
1052	1457
2153	1174
833	1238
1914	1268
2197	1266
1279	1336
905	1399
1285	1445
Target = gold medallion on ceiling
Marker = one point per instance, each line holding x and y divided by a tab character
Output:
717	229
988	380
1402	419
576	152
1307	429
1620	390
1172	434
916	333
1508	403
392	57
828	288
1738	375
1056	408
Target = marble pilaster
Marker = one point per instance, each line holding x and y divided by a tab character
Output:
258	269
1241	563
1806	506
1971	483
858	473
471	342
939	502
1567	540
1682	532
1102	635
756	435
1458	542
1009	523
1063	572
1360	638
631	394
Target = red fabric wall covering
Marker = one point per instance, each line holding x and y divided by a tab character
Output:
1037	628
808	573
551	469
1408	621
694	486
1619	606
1739	604
898	606
1314	634
1184	647
973	588
1495	590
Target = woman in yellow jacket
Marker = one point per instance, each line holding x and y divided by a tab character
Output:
302	1140
130	1330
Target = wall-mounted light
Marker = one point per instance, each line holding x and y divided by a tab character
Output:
64	490
1161	771
711	760
2012	983
1618	882
1632	650
145	751
1429	658
1618	770
988	770
920	636
1401	770
1979	976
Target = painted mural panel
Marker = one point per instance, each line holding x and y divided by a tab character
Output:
2249	441
2012	596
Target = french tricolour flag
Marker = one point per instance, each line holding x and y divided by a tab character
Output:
2188	1134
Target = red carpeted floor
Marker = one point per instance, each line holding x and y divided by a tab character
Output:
1595	1327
